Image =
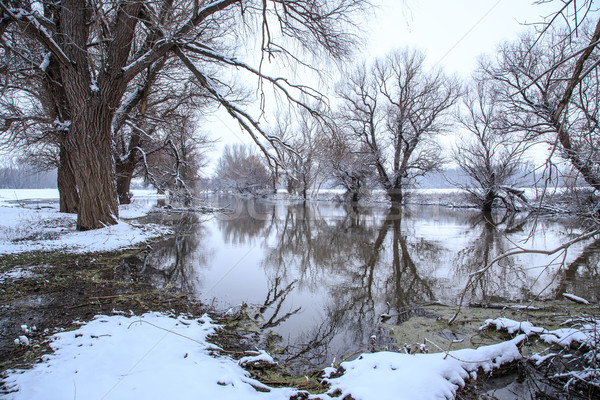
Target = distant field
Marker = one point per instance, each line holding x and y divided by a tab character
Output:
52	194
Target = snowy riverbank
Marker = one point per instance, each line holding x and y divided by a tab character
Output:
155	356
162	355
30	221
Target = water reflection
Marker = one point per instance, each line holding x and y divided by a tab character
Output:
320	275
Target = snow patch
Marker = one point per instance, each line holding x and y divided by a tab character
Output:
16	273
152	356
46	229
386	375
46	62
512	326
262	356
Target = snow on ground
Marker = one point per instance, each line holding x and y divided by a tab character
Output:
52	194
27	194
18	273
149	357
395	376
154	356
38	226
584	335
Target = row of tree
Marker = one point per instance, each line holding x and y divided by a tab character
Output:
385	132
19	175
105	89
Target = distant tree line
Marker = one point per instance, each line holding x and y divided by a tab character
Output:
14	175
538	91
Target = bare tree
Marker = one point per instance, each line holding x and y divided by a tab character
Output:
306	135
161	113
550	91
550	81
92	51
490	154
397	109
174	157
241	170
348	163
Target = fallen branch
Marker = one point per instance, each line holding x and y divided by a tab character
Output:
475	276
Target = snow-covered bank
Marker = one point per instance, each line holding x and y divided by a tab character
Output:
41	227
155	356
149	357
52	194
572	358
394	376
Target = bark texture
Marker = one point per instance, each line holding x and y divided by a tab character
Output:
67	186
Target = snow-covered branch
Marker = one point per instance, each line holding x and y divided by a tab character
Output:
20	16
250	125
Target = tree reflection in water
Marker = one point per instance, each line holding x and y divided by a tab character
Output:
174	261
360	262
321	275
522	277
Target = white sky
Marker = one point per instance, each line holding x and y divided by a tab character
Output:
453	34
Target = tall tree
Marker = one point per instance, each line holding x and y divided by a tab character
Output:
489	153
348	163
156	124
550	91
307	137
97	48
397	108
173	158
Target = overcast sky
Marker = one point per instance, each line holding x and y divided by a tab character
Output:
453	34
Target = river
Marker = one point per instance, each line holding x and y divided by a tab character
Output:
317	276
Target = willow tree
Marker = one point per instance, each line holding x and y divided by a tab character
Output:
550	90
396	109
98	48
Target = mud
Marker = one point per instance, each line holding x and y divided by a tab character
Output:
50	292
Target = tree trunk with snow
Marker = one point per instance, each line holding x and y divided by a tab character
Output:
92	102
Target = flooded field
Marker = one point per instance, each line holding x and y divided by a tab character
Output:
317	277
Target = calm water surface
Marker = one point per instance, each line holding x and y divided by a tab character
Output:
319	275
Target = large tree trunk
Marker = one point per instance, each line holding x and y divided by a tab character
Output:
90	155
395	195
487	203
67	187
92	102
